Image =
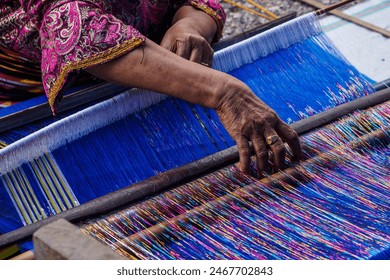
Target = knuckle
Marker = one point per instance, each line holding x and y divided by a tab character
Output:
293	134
279	149
244	151
262	155
260	123
271	114
195	38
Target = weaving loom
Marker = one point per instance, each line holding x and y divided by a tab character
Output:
46	169
334	205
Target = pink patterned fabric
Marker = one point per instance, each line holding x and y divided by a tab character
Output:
65	36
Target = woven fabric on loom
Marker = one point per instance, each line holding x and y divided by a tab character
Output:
334	205
51	166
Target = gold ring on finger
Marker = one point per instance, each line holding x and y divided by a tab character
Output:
271	139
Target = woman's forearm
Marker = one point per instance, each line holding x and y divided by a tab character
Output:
246	117
154	68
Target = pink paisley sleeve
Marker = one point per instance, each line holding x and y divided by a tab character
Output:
77	35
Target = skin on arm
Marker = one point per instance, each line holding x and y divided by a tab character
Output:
246	117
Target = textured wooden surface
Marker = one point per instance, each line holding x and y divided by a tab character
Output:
61	240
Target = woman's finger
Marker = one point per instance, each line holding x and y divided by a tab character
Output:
277	147
261	154
167	44
207	54
244	153
183	49
290	136
196	54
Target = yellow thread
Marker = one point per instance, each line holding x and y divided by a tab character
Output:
3	144
22	195
19	180
30	82
38	205
52	201
60	178
16	199
49	183
55	179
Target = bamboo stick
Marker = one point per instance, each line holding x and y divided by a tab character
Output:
349	18
261	8
28	255
249	10
326	9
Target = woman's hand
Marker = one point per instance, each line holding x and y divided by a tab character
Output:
248	119
190	35
184	41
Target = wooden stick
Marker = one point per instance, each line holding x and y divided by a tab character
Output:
349	18
248	9
28	255
329	8
261	8
164	181
288	175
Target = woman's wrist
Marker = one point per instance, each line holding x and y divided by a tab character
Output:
200	22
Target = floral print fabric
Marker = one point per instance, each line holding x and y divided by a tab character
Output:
64	36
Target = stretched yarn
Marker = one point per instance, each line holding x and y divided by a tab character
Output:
337	209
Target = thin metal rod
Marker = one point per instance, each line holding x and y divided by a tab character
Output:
131	194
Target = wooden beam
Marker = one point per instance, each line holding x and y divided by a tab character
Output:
349	18
62	240
329	8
